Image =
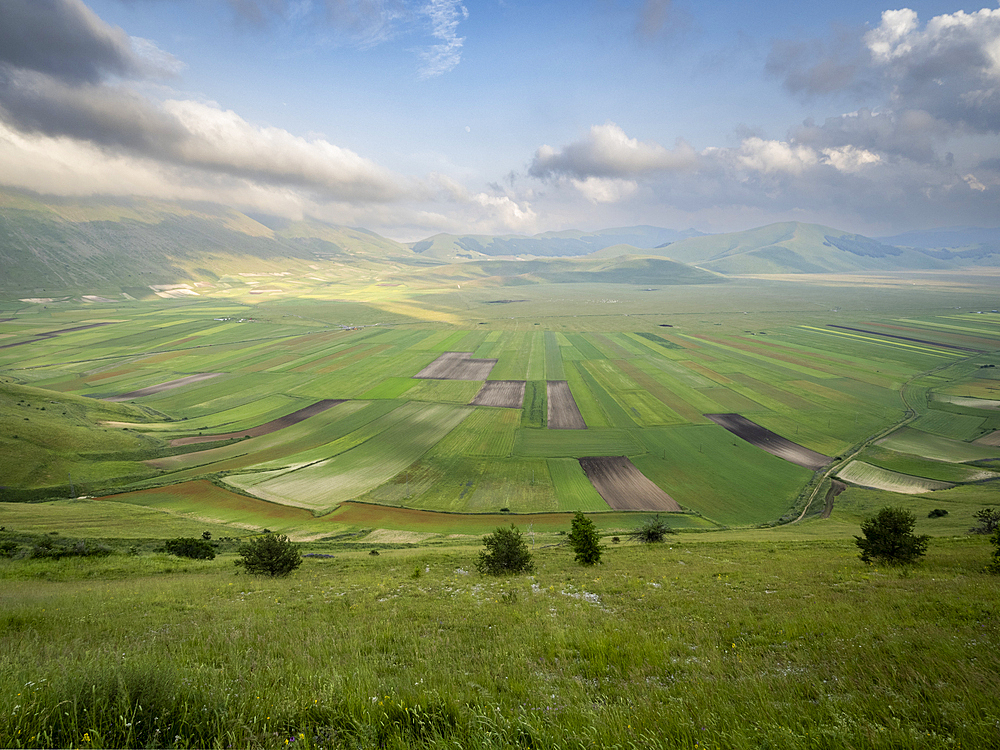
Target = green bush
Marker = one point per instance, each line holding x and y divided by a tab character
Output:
989	521
889	538
937	513
196	549
994	565
269	555
506	552
585	541
650	531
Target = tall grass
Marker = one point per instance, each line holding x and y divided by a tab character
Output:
687	644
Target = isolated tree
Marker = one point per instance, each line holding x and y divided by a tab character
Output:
889	538
988	521
653	529
584	540
506	553
269	555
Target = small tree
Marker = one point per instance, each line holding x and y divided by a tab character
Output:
989	521
585	541
993	566
889	538
269	555
506	552
653	529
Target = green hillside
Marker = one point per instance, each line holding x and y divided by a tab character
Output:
568	243
794	247
96	246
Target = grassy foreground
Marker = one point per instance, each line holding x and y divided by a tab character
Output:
696	643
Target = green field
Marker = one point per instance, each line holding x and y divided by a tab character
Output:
747	346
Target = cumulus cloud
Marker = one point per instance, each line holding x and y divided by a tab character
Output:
607	152
949	69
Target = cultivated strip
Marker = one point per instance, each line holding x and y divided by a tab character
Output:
457	366
265	429
508	394
773	443
169	385
563	411
624	487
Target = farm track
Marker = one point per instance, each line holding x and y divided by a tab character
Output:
910	415
264	429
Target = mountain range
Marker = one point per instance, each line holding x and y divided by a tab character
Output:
50	244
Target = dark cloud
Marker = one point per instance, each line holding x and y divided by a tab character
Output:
65	78
64	39
948	69
914	134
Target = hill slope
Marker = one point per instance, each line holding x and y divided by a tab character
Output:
568	243
793	247
49	243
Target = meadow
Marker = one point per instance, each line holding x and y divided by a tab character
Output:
730	643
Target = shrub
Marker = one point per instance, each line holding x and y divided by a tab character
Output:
584	540
196	549
989	521
994	565
653	529
506	552
889	538
937	513
269	555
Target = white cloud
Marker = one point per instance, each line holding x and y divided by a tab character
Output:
607	152
775	156
444	16
604	190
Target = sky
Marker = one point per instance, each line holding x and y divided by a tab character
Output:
414	117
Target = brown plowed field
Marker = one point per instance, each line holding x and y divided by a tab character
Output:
563	411
265	429
457	366
623	486
769	441
164	386
505	393
992	439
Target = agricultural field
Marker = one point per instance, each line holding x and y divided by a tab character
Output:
737	403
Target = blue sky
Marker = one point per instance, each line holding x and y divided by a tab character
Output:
412	118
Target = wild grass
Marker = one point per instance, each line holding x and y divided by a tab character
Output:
688	644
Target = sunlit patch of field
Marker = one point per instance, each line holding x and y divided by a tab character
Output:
867	475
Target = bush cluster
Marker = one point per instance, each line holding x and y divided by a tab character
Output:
652	530
47	548
195	549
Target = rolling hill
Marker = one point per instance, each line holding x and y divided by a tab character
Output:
570	243
69	244
794	247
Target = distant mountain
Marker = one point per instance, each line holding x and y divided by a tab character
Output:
964	245
566	244
793	247
55	243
